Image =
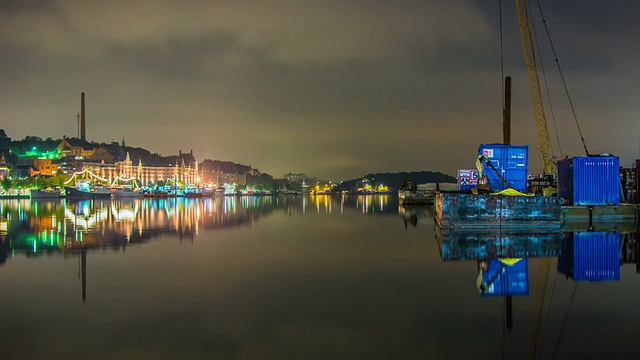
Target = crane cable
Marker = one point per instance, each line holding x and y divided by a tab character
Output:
549	306
564	83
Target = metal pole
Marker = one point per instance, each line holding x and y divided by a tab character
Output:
506	124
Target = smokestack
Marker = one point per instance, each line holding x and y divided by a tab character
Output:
83	133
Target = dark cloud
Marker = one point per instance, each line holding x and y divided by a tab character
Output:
329	88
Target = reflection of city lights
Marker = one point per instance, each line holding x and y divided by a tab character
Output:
68	225
124	214
86	220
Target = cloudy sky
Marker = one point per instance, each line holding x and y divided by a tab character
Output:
334	89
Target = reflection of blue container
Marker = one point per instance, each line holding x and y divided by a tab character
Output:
590	180
512	163
505	277
591	256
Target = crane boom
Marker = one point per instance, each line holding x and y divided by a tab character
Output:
544	144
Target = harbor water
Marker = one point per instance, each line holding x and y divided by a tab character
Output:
306	277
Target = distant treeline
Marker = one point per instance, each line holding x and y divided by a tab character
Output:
395	180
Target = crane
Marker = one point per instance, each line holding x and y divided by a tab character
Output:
544	144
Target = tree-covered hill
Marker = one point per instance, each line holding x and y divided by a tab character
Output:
395	180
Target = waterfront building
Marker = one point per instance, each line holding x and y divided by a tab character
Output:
82	149
150	175
145	175
75	147
45	167
107	162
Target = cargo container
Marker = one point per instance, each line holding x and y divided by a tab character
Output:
590	180
511	161
590	256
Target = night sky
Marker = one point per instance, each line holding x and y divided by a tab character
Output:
333	89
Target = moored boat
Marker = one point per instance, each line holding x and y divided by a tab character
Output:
101	192
46	193
207	192
192	191
74	192
13	194
84	190
120	192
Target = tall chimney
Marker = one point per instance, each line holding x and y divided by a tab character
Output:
83	133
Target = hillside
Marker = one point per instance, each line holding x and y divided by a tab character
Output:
395	180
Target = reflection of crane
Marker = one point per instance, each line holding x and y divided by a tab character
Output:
539	295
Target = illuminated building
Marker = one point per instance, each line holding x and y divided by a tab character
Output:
149	175
45	167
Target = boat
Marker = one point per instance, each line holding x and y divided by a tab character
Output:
75	193
208	192
84	190
46	193
13	194
122	192
192	191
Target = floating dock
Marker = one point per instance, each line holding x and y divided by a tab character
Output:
601	213
468	210
423	194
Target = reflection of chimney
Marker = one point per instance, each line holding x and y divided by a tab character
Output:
83	261
83	133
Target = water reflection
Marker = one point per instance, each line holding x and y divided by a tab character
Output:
414	214
281	277
502	277
36	227
591	256
367	204
581	255
502	259
484	244
40	226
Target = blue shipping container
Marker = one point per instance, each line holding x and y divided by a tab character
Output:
512	163
504	277
590	256
590	180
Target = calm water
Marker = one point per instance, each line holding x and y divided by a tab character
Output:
304	278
